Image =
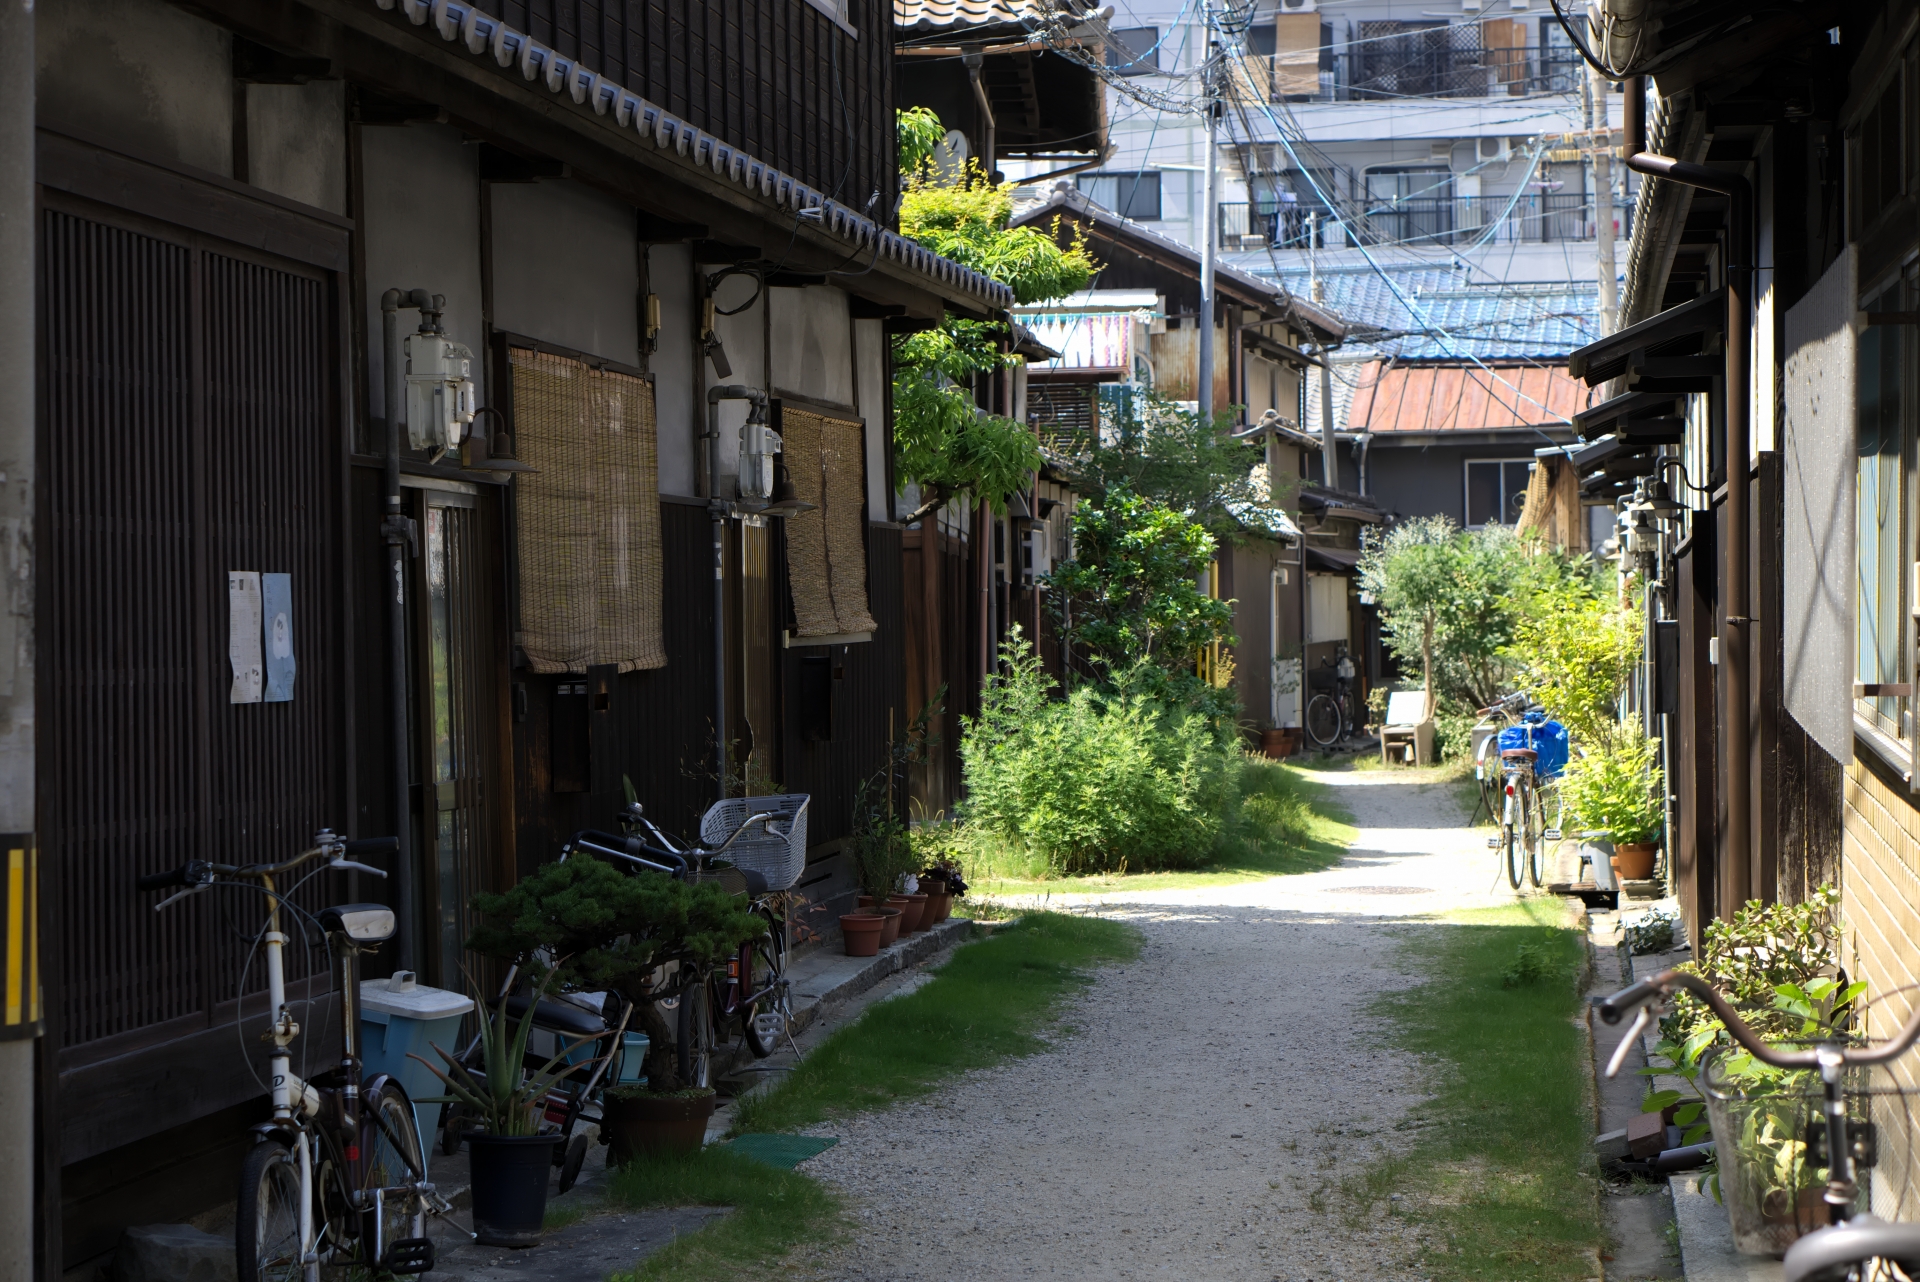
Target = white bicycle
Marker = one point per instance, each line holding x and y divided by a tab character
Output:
338	1175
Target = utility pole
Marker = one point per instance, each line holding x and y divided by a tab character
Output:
20	1014
1209	215
1602	153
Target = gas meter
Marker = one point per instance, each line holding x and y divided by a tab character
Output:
758	444
439	391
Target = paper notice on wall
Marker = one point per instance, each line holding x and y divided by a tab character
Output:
243	636
276	612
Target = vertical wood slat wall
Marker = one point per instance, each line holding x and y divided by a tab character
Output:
776	77
185	431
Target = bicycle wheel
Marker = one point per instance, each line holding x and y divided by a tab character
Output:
1513	825
765	1022
266	1236
693	1036
1547	816
1323	720
394	1164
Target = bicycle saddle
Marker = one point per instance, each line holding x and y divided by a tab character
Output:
559	1017
1518	754
1825	1254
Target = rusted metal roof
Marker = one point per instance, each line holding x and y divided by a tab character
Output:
1457	398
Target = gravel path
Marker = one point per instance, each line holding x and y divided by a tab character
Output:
1210	1096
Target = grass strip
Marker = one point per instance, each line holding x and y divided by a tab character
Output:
774	1213
1286	824
1502	1175
988	1003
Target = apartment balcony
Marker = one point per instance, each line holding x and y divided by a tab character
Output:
1425	64
1422	221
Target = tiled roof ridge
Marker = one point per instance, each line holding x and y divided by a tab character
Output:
481	33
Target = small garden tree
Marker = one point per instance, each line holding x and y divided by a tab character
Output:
1130	597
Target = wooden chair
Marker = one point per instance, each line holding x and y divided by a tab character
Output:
1407	732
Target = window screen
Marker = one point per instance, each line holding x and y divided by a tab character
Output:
827	547
1135	51
1881	545
1496	491
588	516
1135	195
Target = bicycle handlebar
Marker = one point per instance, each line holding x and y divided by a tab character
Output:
197	873
1613	1009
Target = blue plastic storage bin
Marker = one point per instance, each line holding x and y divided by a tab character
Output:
398	1017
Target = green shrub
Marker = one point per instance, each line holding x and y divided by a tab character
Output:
1616	787
1101	781
1453	735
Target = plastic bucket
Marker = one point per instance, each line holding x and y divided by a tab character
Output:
399	1017
510	1174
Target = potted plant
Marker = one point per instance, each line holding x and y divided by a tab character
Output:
1615	789
883	859
620	931
640	1120
511	1158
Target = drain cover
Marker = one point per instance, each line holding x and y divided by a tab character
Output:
1383	890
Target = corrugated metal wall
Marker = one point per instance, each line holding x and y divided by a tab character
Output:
797	92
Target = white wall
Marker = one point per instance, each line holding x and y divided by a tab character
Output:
677	410
566	268
422	231
811	343
297	142
139	72
870	365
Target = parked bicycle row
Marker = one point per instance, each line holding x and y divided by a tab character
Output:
338	1177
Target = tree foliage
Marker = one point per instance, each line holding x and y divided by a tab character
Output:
1575	655
1130	595
1462	595
946	445
1152	446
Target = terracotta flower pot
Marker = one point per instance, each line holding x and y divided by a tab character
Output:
938	906
638	1123
861	933
1278	744
889	926
916	913
1633	862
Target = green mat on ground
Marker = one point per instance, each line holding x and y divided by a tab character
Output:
783	1151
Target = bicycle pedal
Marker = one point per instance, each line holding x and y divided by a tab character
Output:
1551	834
409	1255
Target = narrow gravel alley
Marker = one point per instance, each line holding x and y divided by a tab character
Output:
1203	1101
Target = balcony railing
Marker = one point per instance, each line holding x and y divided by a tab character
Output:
1421	220
1418	65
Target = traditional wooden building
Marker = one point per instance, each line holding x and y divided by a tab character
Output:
609	243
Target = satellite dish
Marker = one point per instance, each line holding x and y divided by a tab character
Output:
950	156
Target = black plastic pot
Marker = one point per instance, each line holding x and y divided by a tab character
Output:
510	1175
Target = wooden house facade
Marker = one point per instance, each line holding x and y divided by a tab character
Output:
629	226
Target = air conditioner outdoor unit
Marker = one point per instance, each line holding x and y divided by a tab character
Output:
1470	6
1492	148
1520	4
1298	6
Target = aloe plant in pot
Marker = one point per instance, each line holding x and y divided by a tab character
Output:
1615	789
511	1158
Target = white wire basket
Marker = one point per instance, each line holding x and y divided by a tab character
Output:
778	852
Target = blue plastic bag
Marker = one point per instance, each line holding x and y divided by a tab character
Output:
1547	738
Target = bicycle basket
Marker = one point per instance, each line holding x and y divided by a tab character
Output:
1770	1141
727	877
1322	678
779	852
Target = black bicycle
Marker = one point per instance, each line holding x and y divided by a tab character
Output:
1330	716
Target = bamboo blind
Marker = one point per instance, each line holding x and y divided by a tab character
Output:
827	547
589	516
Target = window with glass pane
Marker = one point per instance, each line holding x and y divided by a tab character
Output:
1135	195
1135	51
1496	491
1882	537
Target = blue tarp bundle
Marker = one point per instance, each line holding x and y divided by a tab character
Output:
1547	738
